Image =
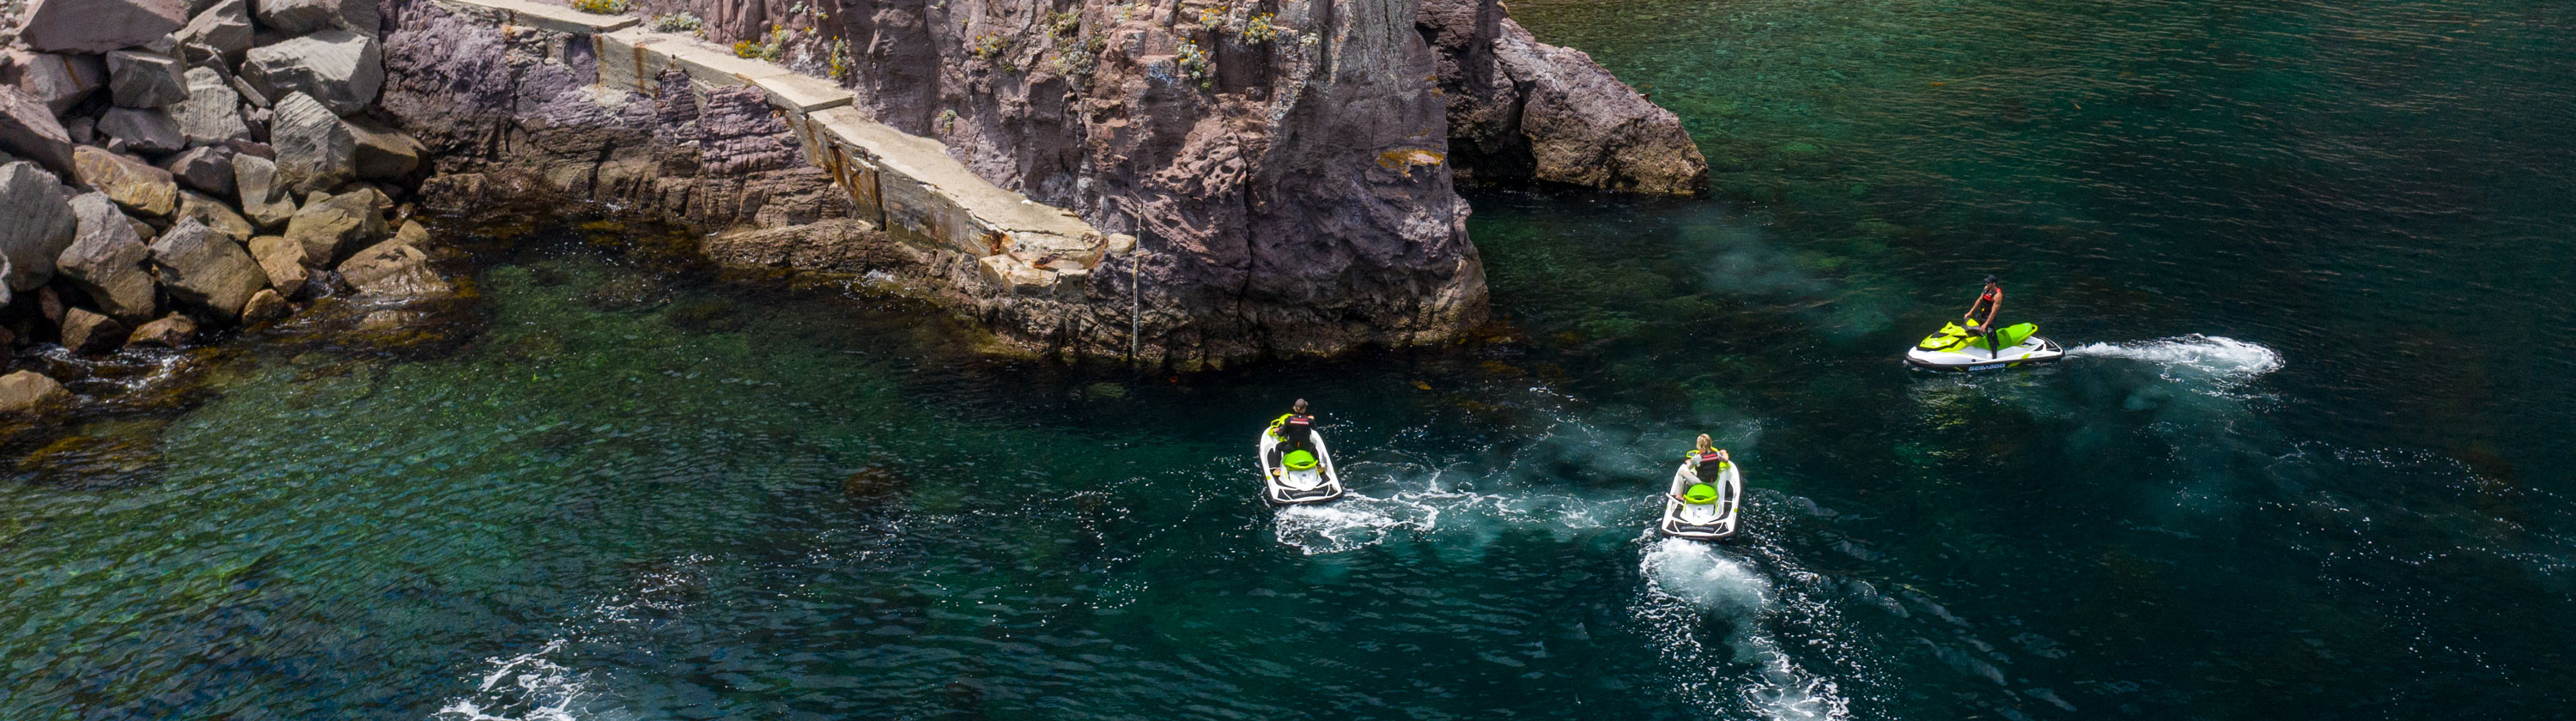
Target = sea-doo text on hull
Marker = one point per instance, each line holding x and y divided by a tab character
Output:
1297	476
1956	349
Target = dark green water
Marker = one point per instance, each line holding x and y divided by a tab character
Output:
2306	464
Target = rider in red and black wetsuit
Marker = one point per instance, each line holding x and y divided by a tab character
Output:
1991	302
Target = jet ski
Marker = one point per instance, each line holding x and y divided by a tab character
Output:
1953	348
1703	510
1298	476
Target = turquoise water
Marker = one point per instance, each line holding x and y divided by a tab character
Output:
2304	465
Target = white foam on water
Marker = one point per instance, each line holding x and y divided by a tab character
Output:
1351	522
528	687
2195	357
1687	583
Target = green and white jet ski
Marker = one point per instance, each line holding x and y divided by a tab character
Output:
1956	349
1700	509
1304	475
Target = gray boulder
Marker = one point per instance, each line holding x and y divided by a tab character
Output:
133	184
97	26
315	150
58	81
330	225
144	131
283	261
263	199
171	331
342	69
28	130
222	31
393	268
212	113
36	223
105	260
89	333
304	16
144	80
207	170
384	153
215	215
203	269
30	390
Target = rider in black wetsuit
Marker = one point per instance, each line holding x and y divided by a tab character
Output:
1991	302
1294	430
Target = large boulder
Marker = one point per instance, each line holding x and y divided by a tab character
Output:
28	130
342	69
205	270
144	131
1524	110
97	26
207	170
212	113
36	223
267	304
304	16
222	32
138	79
330	225
263	199
215	215
171	331
58	81
393	268
89	333
105	260
384	153
283	261
133	184
30	390
316	151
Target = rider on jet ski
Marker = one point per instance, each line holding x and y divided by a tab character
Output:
1992	302
1710	461
1293	429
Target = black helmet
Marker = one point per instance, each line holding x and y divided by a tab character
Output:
1991	279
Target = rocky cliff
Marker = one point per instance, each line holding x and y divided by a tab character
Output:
1520	109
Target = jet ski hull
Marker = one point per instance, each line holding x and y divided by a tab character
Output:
2032	351
1681	521
1285	487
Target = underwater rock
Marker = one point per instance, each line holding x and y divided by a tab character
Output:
29	390
876	484
704	315
624	293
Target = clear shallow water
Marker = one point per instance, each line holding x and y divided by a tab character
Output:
2275	482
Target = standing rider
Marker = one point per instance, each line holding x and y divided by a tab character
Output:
1991	301
1708	462
1294	430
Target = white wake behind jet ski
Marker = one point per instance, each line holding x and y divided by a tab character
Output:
1955	349
1299	476
1703	510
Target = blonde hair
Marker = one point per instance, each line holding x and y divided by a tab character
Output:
1703	442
